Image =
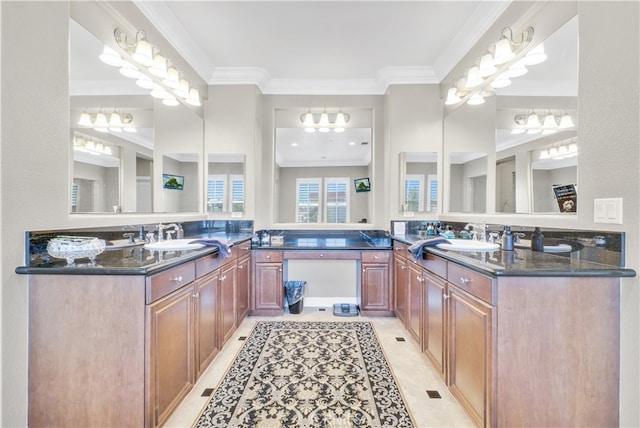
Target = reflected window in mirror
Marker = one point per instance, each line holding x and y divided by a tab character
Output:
315	176
468	182
420	182
225	183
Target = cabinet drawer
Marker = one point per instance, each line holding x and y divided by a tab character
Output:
261	256
434	264
163	283
472	282
400	249
242	248
208	263
375	256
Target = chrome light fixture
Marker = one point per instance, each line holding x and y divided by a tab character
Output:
550	124
495	68
151	69
117	121
560	150
324	122
91	145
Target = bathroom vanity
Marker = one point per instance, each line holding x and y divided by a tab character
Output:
120	342
521	338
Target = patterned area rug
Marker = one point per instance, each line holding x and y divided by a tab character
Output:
308	374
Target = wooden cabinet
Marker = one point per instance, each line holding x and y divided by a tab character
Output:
376	296
227	307
434	323
243	287
171	352
207	342
268	288
400	284
470	339
415	297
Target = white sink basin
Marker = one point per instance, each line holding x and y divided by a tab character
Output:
173	245
469	245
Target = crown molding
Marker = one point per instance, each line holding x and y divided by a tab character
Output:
375	86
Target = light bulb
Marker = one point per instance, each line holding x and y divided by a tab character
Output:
110	57
170	101
535	55
173	77
143	53
129	70
486	68
324	121
159	67
503	52
193	98
340	122
308	121
452	97
517	69
85	119
144	81
566	122
473	78
502	81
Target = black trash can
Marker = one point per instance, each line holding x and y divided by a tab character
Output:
295	293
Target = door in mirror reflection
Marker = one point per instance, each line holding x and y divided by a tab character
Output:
468	182
225	183
419	181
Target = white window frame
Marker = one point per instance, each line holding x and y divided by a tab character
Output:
223	179
346	181
316	181
420	179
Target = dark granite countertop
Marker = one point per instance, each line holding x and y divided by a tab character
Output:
128	261
329	240
524	262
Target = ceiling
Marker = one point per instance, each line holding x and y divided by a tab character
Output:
329	47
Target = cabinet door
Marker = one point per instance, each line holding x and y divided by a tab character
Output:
414	310
227	293
206	324
470	353
242	287
400	287
434	321
171	371
375	295
268	289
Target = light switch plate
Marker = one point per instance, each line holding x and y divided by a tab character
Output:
607	210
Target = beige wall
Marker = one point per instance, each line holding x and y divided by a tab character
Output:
34	186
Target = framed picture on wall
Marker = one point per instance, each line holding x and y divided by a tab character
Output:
362	184
174	182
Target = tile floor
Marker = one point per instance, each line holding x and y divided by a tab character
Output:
413	371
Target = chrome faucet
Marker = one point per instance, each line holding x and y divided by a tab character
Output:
160	228
177	229
480	231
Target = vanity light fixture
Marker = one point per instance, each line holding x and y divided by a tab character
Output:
495	68
91	145
117	121
324	122
561	150
531	124
151	69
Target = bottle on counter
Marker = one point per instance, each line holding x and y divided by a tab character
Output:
537	240
507	239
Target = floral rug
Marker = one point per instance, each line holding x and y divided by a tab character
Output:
308	374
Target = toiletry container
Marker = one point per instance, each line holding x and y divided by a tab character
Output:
507	239
537	240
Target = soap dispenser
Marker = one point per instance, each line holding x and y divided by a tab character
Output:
507	239
537	240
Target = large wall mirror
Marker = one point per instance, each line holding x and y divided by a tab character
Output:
536	136
468	182
323	177
419	182
120	136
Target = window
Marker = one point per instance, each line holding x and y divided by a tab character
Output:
237	193
224	191
308	200
216	193
337	200
432	200
414	192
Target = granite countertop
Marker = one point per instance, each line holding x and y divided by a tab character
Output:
524	262
329	240
127	261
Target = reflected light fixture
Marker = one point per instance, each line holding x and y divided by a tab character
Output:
91	145
151	69
117	121
550	124
324	122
